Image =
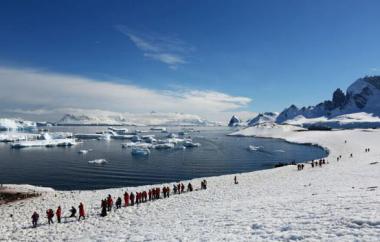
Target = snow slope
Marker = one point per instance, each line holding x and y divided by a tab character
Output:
337	202
353	120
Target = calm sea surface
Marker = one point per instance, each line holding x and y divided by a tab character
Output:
66	169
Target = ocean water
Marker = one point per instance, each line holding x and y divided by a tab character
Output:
66	169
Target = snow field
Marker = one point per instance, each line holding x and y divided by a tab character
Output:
339	201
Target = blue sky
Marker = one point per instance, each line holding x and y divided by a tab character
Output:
273	53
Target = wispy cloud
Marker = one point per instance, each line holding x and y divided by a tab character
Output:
36	92
166	49
376	69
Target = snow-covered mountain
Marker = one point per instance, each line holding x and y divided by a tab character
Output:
363	96
234	121
267	117
88	117
261	118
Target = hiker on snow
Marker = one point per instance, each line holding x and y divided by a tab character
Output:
104	208
182	188
73	212
58	213
81	211
118	203
132	197
189	187
35	218
126	199
50	215
167	191
109	202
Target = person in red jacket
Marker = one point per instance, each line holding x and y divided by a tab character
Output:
81	211
109	202
50	215
58	213
150	194
126	199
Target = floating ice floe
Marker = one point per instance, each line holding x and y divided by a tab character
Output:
136	145
119	131
106	137
83	151
172	135
190	144
149	139
136	138
137	151
16	125
45	141
14	136
255	148
98	161
162	129
164	146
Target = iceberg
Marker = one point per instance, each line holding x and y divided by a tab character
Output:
137	145
137	151
164	146
118	131
45	140
17	125
255	148
162	129
15	136
98	161
83	152
190	144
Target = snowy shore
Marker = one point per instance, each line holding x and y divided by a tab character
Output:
337	202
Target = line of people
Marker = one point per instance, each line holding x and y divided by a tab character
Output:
58	214
318	163
130	199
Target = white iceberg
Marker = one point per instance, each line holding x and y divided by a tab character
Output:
83	151
98	161
255	148
45	140
16	125
164	146
162	129
15	136
190	144
137	145
137	151
119	131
